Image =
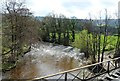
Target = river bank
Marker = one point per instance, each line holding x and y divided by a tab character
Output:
36	62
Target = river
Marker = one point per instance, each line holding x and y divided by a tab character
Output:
45	59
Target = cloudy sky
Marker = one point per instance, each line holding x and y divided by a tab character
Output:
69	8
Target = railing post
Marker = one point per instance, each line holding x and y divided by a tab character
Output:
108	68
83	75
115	64
66	76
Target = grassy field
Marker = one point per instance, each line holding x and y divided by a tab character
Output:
81	41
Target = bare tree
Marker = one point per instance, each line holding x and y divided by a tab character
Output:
18	27
105	35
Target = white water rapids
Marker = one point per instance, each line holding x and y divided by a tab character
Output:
45	59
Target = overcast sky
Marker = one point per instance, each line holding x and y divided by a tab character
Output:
69	8
77	8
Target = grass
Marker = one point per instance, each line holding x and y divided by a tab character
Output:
111	42
81	41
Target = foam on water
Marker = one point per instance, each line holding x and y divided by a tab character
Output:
58	52
45	59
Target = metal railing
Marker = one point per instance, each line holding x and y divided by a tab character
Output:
87	72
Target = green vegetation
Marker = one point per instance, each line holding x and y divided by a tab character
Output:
81	38
58	29
20	29
7	66
111	42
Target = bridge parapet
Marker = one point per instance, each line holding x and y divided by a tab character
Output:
87	72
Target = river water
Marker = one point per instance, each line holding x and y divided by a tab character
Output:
45	59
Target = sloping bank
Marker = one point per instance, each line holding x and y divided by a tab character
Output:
8	65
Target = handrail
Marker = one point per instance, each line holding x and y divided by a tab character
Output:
75	69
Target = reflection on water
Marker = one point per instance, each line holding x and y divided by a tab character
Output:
45	59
